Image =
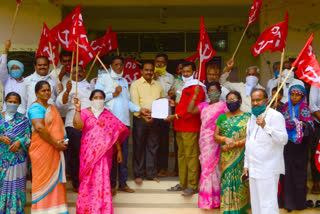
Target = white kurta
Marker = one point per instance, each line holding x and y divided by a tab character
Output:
264	160
241	88
167	81
314	99
28	95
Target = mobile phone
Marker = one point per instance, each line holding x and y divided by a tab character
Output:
244	177
65	142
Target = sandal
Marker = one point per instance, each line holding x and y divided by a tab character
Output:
309	204
317	206
189	192
175	188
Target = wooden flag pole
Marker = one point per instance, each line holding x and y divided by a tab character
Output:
53	64
77	68
200	66
118	52
281	67
114	82
244	32
14	21
279	88
92	65
71	69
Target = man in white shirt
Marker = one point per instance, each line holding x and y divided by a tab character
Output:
274	80
167	81
213	75
264	160
64	70
252	79
41	65
314	105
65	103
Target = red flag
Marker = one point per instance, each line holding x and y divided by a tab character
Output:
19	1
254	12
274	38
106	43
193	58
44	49
317	157
207	52
308	68
67	32
131	70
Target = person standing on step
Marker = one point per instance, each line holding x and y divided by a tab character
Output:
145	132
187	127
167	81
118	101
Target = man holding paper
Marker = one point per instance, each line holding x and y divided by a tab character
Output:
188	128
146	134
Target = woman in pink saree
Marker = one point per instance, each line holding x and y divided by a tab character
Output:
209	189
102	134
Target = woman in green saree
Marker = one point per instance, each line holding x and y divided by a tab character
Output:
231	134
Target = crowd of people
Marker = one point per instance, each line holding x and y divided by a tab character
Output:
229	147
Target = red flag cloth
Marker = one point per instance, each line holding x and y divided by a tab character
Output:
254	12
106	43
67	32
131	70
19	1
317	157
308	68
44	49
274	38
193	58
207	52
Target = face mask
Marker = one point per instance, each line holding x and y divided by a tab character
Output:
233	106
12	108
187	79
114	75
16	74
180	77
251	82
161	71
214	96
97	107
256	111
276	73
285	73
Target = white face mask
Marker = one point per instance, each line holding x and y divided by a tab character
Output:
285	73
97	107
114	75
251	83
187	79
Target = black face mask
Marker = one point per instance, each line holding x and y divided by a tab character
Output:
233	106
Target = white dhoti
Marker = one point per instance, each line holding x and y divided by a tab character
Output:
264	195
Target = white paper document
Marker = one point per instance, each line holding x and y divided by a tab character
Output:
160	109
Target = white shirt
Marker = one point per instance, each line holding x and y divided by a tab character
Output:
65	78
84	91
270	85
241	88
224	93
167	81
28	95
264	146
314	99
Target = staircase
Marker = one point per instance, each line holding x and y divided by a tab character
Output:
152	198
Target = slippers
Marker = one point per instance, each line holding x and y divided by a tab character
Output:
189	192
175	188
309	204
317	206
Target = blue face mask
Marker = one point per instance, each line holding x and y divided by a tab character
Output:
256	111
16	73
276	73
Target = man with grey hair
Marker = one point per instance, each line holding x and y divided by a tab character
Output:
252	79
274	80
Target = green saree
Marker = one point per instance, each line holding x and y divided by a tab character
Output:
234	194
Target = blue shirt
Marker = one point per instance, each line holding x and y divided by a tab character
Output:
121	104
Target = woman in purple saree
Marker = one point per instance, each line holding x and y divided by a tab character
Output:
102	134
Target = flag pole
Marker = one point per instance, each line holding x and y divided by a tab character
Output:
278	91
71	69
281	67
114	82
53	64
77	68
200	66
14	21
118	52
244	32
92	65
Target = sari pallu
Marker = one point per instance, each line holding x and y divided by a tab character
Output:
97	149
48	168
13	165
234	194
209	189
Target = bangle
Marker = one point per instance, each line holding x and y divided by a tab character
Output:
237	143
177	116
78	110
223	139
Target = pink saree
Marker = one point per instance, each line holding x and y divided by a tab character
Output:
209	189
98	138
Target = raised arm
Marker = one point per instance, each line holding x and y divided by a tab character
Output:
4	75
192	108
77	121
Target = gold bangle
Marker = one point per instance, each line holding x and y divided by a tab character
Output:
177	116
